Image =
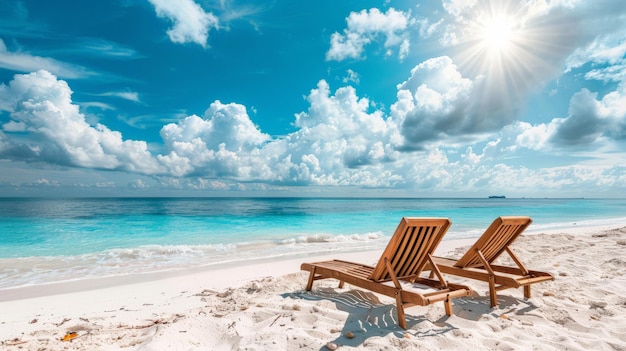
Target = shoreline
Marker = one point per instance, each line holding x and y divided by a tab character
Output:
118	266
245	271
264	306
281	265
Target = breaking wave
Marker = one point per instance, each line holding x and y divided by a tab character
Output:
28	271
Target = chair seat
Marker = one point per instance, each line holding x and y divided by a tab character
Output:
407	253
478	262
356	270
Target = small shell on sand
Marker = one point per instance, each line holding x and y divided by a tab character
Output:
331	346
349	335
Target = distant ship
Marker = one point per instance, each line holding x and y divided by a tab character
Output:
497	197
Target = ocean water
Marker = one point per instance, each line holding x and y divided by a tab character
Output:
51	240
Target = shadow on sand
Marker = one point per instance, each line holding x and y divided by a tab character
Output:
369	317
473	308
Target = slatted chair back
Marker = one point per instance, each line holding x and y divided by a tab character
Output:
408	249
494	241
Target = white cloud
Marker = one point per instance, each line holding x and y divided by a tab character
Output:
364	27
24	62
190	22
591	121
138	184
548	36
404	49
41	105
102	47
218	145
43	182
337	140
458	7
351	76
607	53
591	125
427	29
126	95
340	132
437	103
341	140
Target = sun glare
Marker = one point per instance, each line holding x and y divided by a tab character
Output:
498	48
496	35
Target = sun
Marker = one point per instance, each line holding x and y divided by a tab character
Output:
494	39
498	47
496	35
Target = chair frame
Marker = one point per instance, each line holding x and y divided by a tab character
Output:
477	263
408	252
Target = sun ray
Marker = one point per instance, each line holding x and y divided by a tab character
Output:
502	51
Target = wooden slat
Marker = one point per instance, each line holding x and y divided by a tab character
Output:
410	251
413	256
398	251
408	244
407	253
500	234
477	262
403	252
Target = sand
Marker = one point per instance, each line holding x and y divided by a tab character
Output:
264	307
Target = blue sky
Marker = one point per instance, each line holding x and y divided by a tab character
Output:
325	98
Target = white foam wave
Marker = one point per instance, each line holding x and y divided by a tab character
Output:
328	238
16	272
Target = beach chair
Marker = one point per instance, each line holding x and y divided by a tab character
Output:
477	263
406	255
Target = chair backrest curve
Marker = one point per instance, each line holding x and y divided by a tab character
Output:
500	234
408	249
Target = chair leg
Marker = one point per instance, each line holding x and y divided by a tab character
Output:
492	291
400	309
341	284
309	284
448	305
527	291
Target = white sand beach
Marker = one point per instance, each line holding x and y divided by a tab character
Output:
264	307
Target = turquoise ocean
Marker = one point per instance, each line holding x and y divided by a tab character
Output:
47	240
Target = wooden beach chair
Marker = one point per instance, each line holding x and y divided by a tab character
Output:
407	253
477	263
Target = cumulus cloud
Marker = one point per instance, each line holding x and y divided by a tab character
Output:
437	103
340	140
341	132
218	145
544	39
584	125
40	104
591	119
366	26
591	124
191	24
